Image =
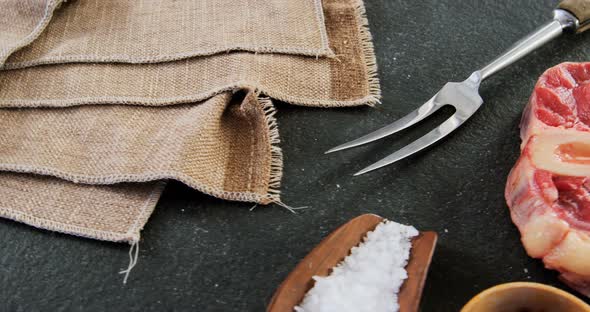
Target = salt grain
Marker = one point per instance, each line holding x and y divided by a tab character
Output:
369	278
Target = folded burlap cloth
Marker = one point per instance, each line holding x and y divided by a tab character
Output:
104	100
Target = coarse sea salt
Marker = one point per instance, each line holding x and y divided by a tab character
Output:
369	278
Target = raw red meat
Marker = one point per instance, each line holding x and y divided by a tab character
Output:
548	190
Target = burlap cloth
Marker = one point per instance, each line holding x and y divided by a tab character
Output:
149	31
132	94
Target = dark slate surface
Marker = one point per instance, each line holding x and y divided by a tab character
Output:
202	254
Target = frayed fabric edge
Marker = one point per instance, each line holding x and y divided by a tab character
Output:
368	54
276	153
276	167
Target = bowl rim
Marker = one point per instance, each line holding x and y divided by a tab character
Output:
471	304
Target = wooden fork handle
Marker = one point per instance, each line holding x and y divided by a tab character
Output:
579	8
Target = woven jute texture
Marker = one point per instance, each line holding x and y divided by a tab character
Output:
21	22
222	147
148	31
82	138
112	212
346	80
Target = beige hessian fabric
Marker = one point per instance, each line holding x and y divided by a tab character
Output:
21	22
113	213
346	80
148	31
83	145
221	147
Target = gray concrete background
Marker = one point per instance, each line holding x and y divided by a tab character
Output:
203	254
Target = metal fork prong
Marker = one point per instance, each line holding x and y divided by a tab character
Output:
430	138
410	119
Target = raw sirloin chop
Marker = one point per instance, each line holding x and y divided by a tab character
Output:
548	190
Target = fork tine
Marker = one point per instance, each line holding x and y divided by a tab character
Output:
410	119
430	138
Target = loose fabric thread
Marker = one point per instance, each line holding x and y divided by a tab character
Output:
133	256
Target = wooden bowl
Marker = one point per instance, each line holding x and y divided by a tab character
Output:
335	247
522	296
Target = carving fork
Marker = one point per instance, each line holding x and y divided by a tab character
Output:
570	15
